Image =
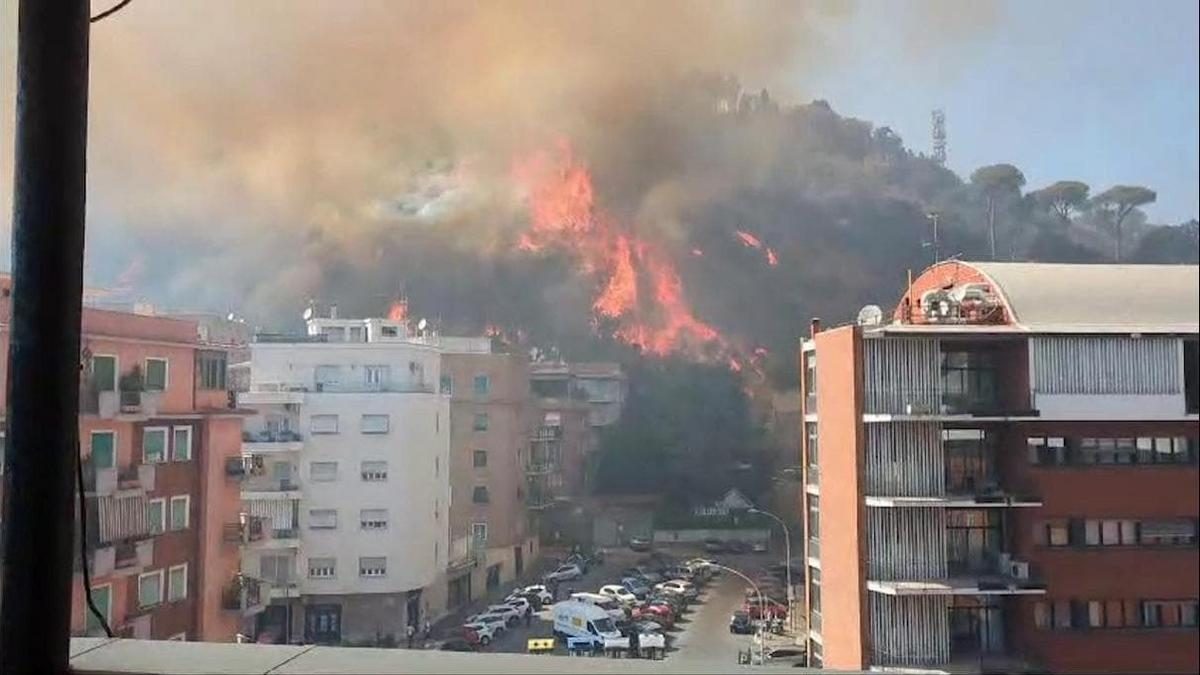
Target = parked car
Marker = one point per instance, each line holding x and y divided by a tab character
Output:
615	609
644	573
636	586
660	614
457	645
677	603
568	572
499	621
714	546
758	547
737	546
583	622
640	544
766	609
521	604
481	632
619	593
648	626
741	623
510	613
678	587
579	560
543	594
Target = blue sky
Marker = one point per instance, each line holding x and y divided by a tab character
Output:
1100	91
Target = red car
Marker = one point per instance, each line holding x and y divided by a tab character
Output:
660	614
767	609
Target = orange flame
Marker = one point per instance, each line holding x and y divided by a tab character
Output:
638	287
772	260
398	311
748	240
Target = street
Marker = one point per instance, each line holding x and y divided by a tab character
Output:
700	636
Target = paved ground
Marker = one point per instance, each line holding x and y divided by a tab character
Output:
701	636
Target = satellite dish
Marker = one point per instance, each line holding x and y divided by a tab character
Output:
871	315
230	317
308	313
421	324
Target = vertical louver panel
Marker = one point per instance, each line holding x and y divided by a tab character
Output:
1106	365
902	375
906	544
121	517
905	459
909	631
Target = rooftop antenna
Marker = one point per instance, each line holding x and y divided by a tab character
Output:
934	243
938	117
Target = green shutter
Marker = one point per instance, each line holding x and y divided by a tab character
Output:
102	597
154	446
156	374
103	453
104	372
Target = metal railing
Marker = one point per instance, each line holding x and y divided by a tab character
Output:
282	436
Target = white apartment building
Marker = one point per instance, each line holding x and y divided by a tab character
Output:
347	493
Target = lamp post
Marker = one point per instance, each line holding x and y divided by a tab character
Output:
787	546
762	607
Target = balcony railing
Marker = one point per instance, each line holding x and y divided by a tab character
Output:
126	555
282	436
250	528
243	593
547	434
814	547
540	468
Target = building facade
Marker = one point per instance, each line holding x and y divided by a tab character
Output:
346	491
155	432
1004	477
491	539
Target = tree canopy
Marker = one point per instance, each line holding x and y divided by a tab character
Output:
1063	198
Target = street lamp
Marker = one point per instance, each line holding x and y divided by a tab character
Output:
787	546
762	608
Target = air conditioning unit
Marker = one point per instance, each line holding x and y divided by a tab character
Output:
1018	569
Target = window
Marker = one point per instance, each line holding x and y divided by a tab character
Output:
102	597
373	519
156	516
1054	533
104	372
154	445
275	568
814	457
181	444
1062	614
357	334
334	333
180	512
372	567
479	459
156	375
1178	450
376	377
481	422
1109	532
322	519
281	472
1047	450
322	472
480	495
104	449
1169	613
1107	451
375	424
150	588
212	367
323	424
479	533
322	568
177	582
374	471
1167	533
389	331
446	385
482	385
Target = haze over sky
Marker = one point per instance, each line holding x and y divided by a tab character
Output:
1095	90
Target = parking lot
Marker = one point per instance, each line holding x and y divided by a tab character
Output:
700	634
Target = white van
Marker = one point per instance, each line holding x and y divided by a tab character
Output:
582	620
614	608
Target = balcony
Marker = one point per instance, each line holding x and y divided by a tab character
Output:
248	529
547	434
540	468
132	557
268	441
243	594
261	487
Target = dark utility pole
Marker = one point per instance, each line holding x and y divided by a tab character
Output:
43	358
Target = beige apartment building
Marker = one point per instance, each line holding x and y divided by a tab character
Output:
491	539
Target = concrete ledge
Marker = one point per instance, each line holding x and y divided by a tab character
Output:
105	655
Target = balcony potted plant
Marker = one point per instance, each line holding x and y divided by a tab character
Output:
131	385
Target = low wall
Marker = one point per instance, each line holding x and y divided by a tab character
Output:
698	536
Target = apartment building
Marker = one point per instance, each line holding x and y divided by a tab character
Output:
491	539
346	491
572	403
1003	477
155	432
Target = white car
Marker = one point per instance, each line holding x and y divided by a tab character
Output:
520	604
497	621
619	593
541	592
486	631
511	614
677	587
564	573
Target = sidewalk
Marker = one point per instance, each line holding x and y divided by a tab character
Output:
447	625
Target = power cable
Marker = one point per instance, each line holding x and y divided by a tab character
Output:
110	11
83	558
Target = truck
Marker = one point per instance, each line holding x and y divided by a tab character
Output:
583	623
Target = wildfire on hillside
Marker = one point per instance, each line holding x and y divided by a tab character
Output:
750	241
639	289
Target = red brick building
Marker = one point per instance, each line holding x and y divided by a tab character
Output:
1003	476
156	435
